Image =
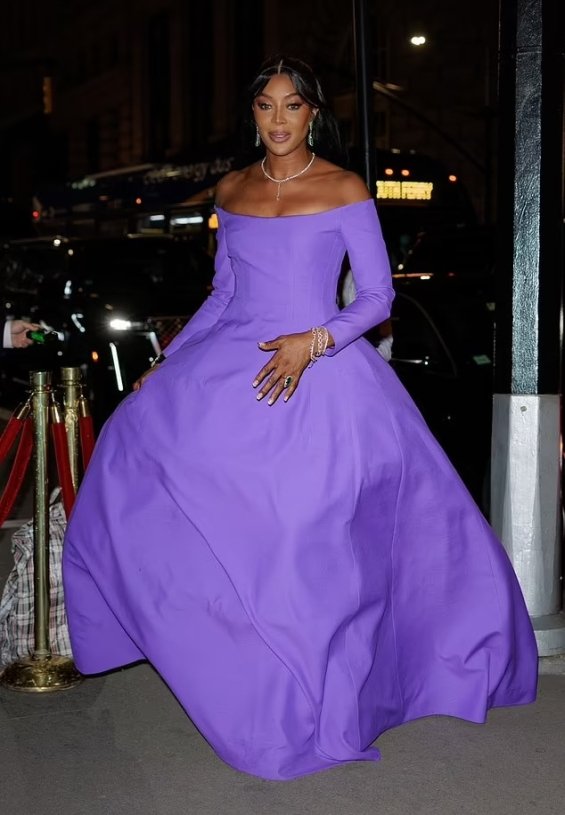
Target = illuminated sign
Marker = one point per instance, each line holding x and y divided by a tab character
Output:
405	190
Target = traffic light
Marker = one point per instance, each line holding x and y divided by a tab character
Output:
47	95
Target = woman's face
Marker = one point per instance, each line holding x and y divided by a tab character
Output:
282	116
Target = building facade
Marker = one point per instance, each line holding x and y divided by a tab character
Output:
93	87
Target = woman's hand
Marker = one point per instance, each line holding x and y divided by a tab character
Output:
139	382
291	359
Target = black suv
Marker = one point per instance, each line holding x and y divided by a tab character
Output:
113	302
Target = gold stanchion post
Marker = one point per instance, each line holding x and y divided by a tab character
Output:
44	671
71	388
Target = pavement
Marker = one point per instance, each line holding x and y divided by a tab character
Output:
120	744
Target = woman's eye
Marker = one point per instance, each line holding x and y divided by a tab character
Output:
263	106
294	106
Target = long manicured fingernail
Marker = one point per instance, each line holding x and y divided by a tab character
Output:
260	396
271	402
260	344
255	383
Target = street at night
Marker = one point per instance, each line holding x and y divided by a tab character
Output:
281	459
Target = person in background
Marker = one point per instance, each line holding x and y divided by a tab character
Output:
14	333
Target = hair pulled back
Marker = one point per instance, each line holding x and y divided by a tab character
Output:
325	132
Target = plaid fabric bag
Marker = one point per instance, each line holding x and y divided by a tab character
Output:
16	606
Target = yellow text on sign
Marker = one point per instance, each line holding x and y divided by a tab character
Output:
405	190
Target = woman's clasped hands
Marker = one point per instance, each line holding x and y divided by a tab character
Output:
283	371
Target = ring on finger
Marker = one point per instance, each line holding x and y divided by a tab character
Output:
287	381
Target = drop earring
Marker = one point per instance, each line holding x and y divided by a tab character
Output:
257	137
310	135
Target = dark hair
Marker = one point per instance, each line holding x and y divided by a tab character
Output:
325	131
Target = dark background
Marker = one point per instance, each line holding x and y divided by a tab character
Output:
88	87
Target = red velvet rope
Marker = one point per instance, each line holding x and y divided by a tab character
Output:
87	440
9	436
19	468
25	449
63	465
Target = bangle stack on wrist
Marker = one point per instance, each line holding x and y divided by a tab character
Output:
319	344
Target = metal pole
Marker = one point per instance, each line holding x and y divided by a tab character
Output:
364	88
526	457
71	387
44	671
489	118
41	384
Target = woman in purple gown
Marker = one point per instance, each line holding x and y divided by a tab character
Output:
267	518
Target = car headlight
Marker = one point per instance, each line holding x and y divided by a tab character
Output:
120	325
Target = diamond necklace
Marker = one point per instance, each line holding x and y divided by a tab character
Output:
280	181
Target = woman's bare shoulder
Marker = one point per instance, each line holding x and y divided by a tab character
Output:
346	187
352	188
230	182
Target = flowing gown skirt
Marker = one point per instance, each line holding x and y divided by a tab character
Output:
303	576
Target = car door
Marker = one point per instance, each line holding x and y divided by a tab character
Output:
424	364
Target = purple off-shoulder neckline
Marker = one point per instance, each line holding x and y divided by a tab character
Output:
297	215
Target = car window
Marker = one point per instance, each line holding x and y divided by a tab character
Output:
464	253
113	270
138	267
416	339
24	271
145	276
469	324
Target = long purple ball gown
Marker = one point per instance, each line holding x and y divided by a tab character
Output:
303	576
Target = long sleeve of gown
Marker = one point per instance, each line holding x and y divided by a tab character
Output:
369	262
214	306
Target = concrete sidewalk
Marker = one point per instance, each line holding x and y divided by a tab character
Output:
121	745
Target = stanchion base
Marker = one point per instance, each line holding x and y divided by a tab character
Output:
41	675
